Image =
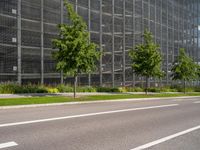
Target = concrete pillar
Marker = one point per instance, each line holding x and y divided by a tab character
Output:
42	41
19	52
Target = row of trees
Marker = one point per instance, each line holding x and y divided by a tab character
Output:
76	54
147	61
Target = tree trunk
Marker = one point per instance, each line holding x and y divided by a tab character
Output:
147	85
184	86
75	85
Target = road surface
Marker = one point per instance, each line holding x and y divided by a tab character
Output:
170	124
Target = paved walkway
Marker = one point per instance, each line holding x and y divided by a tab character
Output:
63	94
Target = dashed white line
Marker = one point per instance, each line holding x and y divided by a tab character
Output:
197	102
84	115
148	145
6	145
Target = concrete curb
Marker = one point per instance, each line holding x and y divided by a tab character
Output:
93	102
63	94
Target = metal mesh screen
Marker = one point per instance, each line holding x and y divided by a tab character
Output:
27	28
8	40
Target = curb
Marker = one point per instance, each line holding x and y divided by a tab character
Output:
93	102
27	95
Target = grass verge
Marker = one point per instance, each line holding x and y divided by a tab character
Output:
59	99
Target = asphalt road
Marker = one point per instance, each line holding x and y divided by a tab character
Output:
172	124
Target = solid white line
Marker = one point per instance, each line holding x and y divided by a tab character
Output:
9	144
166	139
84	115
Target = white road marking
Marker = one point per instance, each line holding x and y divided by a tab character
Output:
84	115
197	102
148	145
6	145
183	100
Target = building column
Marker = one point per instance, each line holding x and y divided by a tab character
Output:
161	41
42	41
101	42
133	75
76	6
198	49
167	47
61	21
19	51
113	43
198	45
89	28
124	43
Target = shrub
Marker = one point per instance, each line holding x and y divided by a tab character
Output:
168	89
12	88
197	89
8	88
52	90
187	89
64	88
86	89
107	89
156	90
122	89
135	89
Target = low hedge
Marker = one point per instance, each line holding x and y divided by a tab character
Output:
12	88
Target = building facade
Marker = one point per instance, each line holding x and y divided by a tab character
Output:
27	28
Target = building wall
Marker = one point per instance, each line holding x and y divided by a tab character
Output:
27	28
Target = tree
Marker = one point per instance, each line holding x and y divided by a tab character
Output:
146	59
76	54
198	71
184	68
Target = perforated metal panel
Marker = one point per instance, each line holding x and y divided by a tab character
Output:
27	28
8	40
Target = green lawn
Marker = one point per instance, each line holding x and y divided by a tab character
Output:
59	99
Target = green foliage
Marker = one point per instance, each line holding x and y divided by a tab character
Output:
197	89
122	89
52	90
8	88
86	89
146	59
76	54
198	71
64	88
135	89
68	89
184	68
12	88
106	89
168	89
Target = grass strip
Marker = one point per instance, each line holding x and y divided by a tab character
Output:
62	99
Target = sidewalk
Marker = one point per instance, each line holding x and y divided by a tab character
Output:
64	94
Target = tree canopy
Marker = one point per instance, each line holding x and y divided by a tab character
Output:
146	58
198	71
184	67
76	54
